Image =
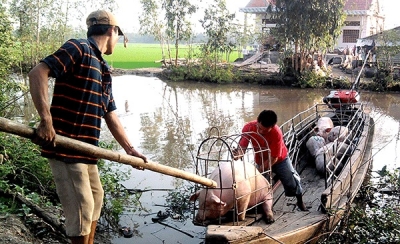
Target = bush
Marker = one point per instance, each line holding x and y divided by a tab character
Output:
310	79
376	218
23	170
221	74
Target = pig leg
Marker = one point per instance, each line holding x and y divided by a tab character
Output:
242	205
320	163
267	207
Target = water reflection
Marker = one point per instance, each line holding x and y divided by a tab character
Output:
175	117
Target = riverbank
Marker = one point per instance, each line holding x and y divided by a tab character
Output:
272	70
32	230
148	72
269	74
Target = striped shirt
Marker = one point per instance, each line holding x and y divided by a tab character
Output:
82	96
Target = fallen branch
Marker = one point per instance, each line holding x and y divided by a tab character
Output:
174	228
47	217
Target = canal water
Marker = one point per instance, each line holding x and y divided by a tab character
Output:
167	121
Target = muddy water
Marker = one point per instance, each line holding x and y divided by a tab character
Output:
168	121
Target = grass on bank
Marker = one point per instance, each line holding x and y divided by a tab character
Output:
142	55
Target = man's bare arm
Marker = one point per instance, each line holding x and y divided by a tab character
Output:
118	131
39	89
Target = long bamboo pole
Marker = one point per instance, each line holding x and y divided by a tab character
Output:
15	128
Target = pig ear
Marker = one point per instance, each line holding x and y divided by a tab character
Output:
194	196
218	201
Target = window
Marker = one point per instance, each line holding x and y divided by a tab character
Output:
350	36
266	30
352	23
268	21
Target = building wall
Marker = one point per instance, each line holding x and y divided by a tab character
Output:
341	43
371	23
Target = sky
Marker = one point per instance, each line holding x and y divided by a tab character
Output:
391	10
129	10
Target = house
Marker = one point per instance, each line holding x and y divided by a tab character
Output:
385	40
364	18
257	10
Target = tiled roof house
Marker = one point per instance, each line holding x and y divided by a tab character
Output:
364	18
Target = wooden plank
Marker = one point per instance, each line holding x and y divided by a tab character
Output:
251	60
232	234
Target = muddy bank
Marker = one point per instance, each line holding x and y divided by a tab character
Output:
32	230
270	71
149	72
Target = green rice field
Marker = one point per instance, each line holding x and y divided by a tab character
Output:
139	55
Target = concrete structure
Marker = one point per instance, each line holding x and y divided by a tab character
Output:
364	18
384	39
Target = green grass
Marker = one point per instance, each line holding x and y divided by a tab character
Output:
141	55
135	56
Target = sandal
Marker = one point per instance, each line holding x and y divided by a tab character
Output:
126	232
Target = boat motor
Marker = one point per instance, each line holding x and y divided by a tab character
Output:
343	98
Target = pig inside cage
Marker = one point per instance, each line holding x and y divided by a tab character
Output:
243	193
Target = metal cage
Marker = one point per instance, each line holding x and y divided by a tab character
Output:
217	150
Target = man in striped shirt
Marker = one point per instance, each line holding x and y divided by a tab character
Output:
82	97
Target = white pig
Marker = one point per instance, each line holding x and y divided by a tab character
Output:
324	126
338	132
327	153
314	143
216	202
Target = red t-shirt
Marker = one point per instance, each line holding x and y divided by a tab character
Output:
273	139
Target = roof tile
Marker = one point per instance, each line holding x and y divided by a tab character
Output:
358	5
258	3
350	4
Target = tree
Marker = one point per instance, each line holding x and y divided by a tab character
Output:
177	13
150	23
310	25
43	25
240	36
387	45
39	28
217	23
9	58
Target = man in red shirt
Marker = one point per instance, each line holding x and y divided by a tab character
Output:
263	134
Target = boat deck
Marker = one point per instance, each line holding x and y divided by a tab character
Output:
290	224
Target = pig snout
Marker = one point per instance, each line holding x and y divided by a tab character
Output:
210	206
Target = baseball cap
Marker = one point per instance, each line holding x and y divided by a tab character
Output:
103	17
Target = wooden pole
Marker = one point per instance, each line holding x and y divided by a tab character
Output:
12	127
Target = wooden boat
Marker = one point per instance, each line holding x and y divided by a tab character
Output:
328	197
